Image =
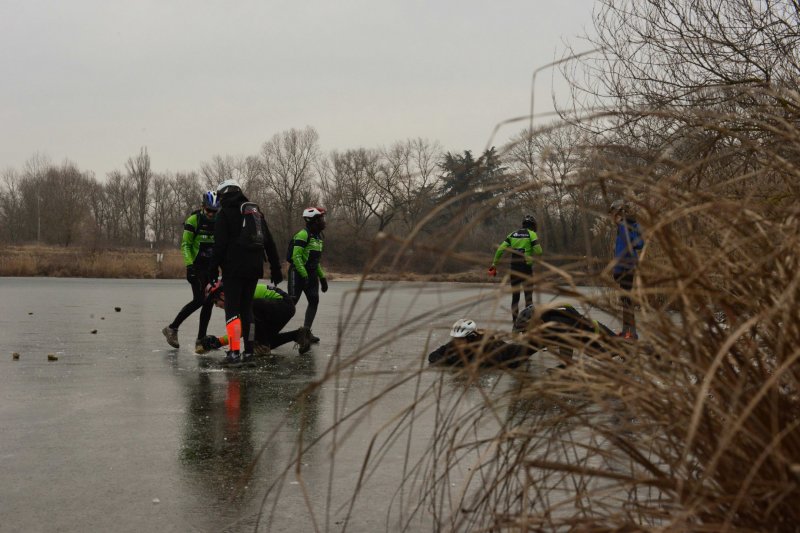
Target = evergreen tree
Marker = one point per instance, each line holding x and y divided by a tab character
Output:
475	179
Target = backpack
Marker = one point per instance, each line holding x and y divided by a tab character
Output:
252	234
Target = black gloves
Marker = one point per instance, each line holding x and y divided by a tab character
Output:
276	276
210	342
323	283
191	275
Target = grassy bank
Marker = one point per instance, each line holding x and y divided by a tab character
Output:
76	262
51	261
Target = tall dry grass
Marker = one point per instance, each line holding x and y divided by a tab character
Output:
694	428
79	262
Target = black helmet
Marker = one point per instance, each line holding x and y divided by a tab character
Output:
529	222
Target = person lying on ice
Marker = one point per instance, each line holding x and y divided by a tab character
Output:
563	326
272	310
469	345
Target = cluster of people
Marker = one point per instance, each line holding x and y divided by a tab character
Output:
224	246
563	325
229	234
523	245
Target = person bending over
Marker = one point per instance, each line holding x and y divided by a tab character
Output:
272	310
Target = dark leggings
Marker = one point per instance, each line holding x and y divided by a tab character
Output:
271	316
310	289
239	305
198	284
520	282
625	280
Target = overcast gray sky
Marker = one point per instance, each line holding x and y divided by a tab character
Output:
95	80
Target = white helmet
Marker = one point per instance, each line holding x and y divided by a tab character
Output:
228	186
463	327
618	206
311	213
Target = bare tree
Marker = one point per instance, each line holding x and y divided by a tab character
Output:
122	221
408	179
288	163
228	167
140	176
164	219
100	212
187	191
11	206
63	204
350	187
33	174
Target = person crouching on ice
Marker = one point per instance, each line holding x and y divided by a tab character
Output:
563	326
272	310
469	345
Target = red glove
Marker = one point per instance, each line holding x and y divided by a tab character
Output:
492	271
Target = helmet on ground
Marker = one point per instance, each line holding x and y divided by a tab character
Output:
310	213
523	319
463	327
210	200
617	206
228	186
529	222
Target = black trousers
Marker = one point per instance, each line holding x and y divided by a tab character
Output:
198	301
520	282
239	305
625	280
309	287
271	316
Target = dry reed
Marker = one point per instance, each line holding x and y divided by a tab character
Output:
86	263
695	428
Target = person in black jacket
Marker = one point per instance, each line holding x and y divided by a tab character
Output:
470	346
242	265
562	326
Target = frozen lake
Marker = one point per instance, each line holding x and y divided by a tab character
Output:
124	433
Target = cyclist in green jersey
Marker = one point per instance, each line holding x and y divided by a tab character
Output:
306	275
196	245
524	244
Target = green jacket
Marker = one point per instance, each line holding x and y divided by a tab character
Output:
262	292
307	253
524	242
198	238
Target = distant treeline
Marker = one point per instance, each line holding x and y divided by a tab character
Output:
389	190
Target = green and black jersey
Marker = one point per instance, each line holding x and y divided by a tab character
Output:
198	239
263	292
524	244
307	253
